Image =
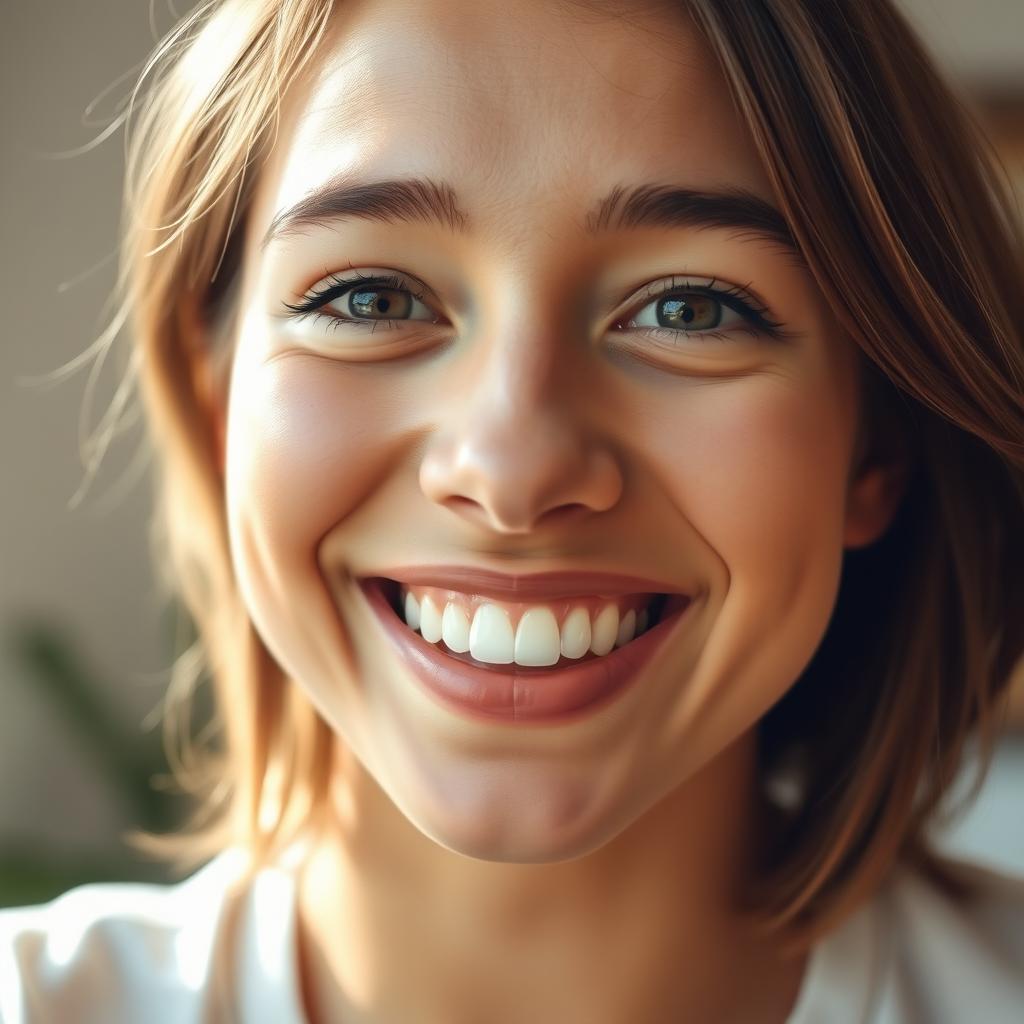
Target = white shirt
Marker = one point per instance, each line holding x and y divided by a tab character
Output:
125	953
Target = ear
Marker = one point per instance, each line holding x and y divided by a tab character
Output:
881	465
208	383
885	454
872	499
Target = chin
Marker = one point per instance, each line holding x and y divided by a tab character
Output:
516	825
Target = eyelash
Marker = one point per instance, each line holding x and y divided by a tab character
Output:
336	286
733	297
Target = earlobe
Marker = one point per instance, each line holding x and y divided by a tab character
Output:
872	502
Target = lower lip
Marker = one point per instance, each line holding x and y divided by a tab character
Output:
513	694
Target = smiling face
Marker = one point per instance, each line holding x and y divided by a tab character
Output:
513	409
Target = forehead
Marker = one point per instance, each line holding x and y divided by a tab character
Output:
531	108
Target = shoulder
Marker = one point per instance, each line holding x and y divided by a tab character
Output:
954	944
965	900
944	945
116	952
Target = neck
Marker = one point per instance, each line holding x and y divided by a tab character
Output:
394	926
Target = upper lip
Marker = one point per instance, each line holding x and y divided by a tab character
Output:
527	587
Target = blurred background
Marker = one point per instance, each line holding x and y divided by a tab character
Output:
85	640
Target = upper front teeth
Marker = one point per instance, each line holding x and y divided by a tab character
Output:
536	640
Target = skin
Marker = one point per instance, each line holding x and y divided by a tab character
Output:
587	871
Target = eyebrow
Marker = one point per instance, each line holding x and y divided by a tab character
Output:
423	200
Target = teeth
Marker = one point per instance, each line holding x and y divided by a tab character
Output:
455	628
606	628
430	620
412	611
490	637
576	633
627	628
536	641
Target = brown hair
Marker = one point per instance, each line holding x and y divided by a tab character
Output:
895	199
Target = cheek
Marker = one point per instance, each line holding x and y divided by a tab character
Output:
760	475
304	448
765	479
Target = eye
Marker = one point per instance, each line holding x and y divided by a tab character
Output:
686	308
690	311
364	302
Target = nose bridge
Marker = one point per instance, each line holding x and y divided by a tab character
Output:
524	352
520	442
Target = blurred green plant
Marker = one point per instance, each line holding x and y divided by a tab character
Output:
133	766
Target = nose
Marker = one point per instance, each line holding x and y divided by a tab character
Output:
527	448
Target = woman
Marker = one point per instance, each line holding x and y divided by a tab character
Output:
668	353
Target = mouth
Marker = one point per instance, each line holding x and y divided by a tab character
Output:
634	615
530	681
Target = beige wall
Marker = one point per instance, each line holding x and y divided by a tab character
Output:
85	569
983	40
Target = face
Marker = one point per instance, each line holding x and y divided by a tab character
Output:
527	402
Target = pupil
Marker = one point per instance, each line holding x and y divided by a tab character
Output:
371	302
